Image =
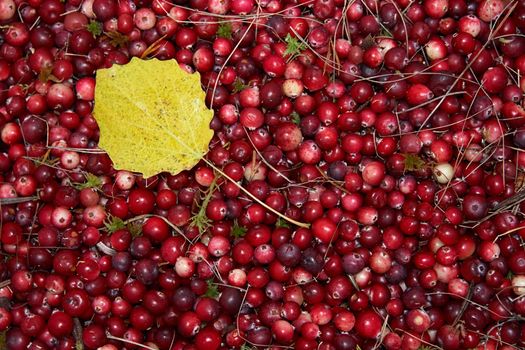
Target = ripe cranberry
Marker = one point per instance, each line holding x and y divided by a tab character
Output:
373	173
76	303
208	338
475	206
93	336
60	324
324	229
368	324
141	201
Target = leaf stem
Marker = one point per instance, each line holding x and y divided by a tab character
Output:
16	200
169	223
249	194
127	341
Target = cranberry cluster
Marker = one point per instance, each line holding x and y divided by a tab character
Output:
390	135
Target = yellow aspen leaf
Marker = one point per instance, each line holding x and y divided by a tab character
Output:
152	116
152	119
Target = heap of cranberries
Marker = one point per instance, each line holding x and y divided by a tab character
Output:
392	131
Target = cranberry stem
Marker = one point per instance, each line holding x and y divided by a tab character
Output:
266	206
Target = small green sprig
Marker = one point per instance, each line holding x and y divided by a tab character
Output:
225	30
247	346
238	231
200	220
134	228
238	85
282	223
294	47
92	181
295	117
113	224
95	28
413	162
212	291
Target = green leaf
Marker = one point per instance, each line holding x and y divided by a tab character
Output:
92	181
225	30
95	28
413	162
238	85
212	291
296	118
385	33
282	223
294	46
238	231
247	346
114	224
